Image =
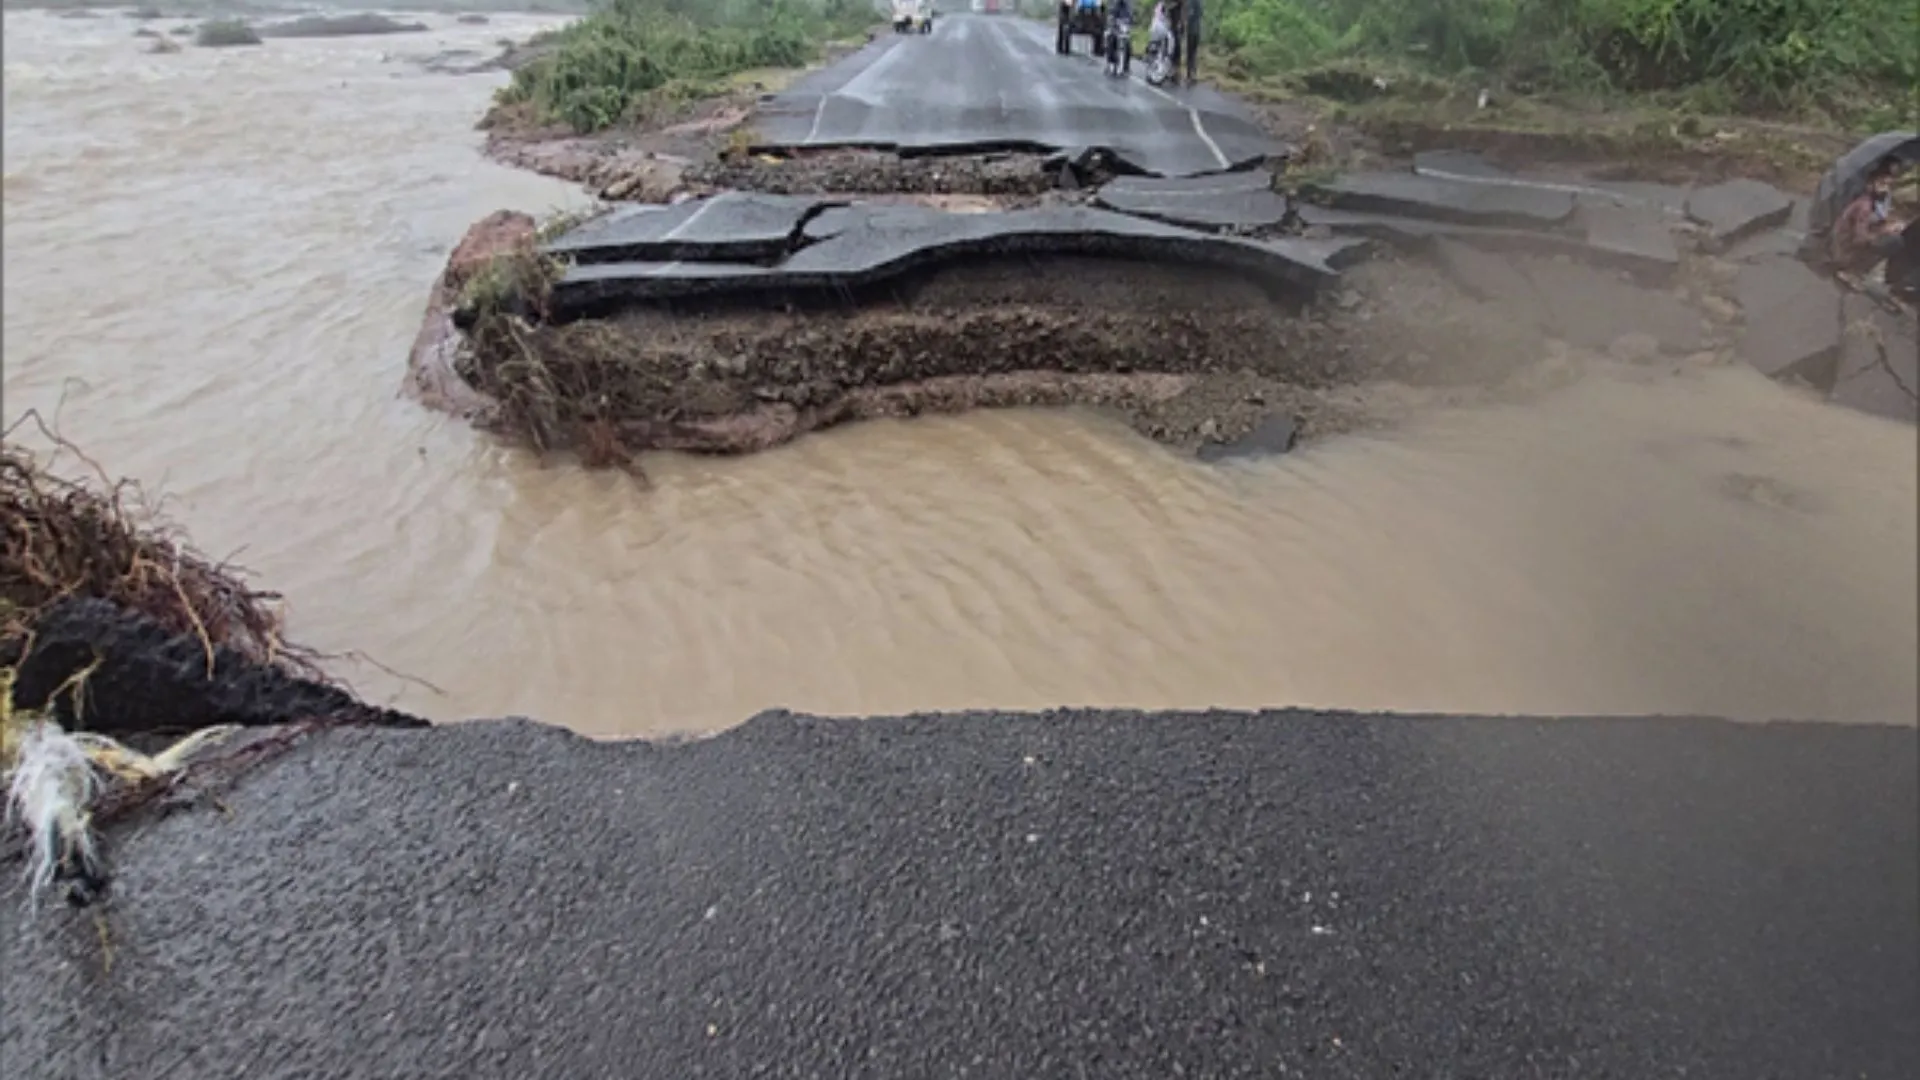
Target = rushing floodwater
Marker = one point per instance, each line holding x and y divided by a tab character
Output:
220	259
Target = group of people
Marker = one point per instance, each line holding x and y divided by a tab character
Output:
1866	233
1175	26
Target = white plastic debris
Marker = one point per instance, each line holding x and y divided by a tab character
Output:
52	785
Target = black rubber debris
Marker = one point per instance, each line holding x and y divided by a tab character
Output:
119	673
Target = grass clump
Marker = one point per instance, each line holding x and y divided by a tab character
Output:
603	69
1849	61
225	33
517	279
62	539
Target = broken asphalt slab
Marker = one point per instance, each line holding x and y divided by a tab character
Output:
734	226
1642	258
854	246
980	83
1792	317
1591	307
1630	235
1484	275
1582	305
1110	893
1470	167
1879	365
1737	209
1749	217
1241	201
1459	202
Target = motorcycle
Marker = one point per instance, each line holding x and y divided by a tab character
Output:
1159	59
1119	46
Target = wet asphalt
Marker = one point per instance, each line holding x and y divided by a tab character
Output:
986	82
1085	894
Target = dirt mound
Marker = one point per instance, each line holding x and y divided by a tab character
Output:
430	369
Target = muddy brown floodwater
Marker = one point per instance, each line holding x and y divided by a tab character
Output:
220	258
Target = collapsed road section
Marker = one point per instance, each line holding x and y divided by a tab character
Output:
1195	306
788	247
1642	269
735	323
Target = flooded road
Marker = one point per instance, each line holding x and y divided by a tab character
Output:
219	259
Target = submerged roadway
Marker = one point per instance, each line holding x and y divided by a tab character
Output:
994	82
1112	895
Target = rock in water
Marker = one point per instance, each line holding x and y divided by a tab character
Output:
308	26
1276	434
224	34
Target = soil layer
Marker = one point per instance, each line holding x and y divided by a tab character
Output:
1186	354
858	172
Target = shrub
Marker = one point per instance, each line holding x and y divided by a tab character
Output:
604	66
1846	55
224	33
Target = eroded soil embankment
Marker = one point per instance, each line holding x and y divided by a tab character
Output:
1186	353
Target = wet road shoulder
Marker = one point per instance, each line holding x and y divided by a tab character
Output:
1077	893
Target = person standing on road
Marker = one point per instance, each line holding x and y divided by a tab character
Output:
1190	45
1120	49
1160	32
1176	23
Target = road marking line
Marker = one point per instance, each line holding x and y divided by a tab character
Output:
1199	129
1615	197
674	233
820	110
817	111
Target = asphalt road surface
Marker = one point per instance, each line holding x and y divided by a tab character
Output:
781	245
1092	894
986	82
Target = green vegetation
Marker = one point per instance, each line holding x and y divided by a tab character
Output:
1851	60
613	62
222	33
